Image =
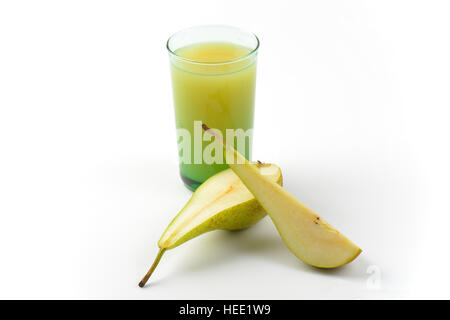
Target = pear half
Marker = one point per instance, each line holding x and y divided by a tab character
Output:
306	234
221	202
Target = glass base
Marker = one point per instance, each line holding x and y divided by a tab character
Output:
189	183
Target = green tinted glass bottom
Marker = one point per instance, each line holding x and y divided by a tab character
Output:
202	172
189	183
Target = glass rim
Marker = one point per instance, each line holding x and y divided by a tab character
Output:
246	56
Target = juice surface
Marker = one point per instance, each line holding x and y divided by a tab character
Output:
219	94
212	52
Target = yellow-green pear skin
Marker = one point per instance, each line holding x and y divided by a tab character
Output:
221	202
306	234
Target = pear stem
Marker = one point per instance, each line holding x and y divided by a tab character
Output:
152	268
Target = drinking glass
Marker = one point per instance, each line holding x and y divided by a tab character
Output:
213	72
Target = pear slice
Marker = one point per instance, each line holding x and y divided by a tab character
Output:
221	202
306	234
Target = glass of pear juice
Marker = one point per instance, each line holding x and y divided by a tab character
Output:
213	72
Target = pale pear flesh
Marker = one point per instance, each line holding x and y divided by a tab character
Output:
222	202
307	235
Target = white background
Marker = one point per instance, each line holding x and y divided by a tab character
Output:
352	102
